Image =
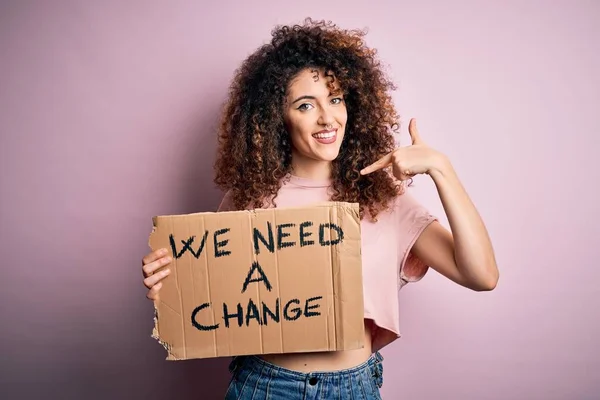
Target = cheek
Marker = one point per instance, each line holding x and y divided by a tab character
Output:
298	129
342	116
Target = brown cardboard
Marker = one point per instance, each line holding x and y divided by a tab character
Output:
320	273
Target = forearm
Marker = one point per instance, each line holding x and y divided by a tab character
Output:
473	251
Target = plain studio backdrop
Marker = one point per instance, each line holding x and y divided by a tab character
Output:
108	114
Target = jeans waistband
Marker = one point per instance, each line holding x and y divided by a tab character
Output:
262	366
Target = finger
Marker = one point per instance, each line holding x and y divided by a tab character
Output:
414	132
401	174
153	292
381	163
155	278
153	256
149	269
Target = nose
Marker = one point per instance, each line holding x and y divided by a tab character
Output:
326	117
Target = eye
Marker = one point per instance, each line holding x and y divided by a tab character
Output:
305	107
337	100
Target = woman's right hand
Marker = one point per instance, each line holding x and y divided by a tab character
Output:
150	263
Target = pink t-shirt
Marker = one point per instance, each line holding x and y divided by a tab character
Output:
386	259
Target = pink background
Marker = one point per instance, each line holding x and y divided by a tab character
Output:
107	117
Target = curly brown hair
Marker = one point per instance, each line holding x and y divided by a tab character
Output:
254	149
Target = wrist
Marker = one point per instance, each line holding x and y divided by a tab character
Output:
440	167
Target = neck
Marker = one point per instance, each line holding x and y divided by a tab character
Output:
308	168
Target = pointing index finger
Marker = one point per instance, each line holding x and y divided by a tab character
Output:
381	163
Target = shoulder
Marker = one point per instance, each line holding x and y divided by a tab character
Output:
407	208
406	219
227	202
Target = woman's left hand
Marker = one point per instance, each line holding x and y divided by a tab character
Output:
408	161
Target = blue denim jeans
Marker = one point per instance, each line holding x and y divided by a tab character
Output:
256	379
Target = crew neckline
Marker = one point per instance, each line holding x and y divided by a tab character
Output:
307	182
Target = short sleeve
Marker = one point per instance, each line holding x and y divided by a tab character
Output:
413	219
227	203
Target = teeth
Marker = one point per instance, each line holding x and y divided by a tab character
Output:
327	135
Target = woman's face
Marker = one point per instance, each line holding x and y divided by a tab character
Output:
315	119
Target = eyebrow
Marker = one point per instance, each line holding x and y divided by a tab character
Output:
304	98
307	97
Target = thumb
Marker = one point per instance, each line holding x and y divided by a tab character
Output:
414	132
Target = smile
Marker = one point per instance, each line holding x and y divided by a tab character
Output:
325	136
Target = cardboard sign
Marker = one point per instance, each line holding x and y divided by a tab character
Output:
260	281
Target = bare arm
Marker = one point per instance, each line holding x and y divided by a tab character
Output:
464	255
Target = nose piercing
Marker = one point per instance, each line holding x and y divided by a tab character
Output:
329	126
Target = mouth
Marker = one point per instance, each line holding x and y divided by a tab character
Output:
325	137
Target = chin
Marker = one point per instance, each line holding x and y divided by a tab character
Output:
327	156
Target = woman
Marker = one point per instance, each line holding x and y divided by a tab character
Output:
310	118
